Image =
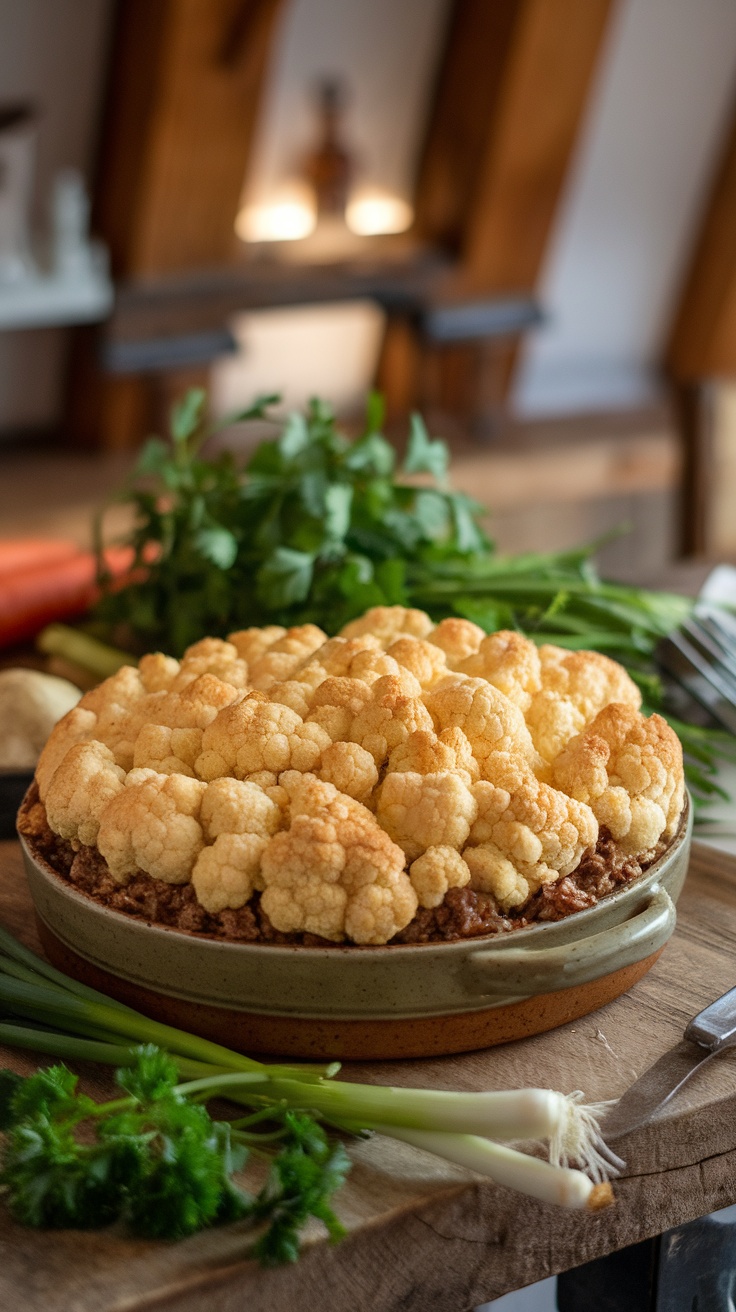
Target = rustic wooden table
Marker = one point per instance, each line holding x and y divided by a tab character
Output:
423	1234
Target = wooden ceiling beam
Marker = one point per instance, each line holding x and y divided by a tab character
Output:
511	94
702	341
184	93
512	90
702	348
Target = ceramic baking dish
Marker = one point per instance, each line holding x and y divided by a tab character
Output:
366	1002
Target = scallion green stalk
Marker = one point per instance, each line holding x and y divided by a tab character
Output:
91	1026
507	1166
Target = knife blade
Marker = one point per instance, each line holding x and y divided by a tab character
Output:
708	1034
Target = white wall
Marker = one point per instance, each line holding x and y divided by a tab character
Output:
659	108
52	52
386	50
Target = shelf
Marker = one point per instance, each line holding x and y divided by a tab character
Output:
46	300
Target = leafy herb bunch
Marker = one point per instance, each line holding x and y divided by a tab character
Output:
317	528
314	528
155	1160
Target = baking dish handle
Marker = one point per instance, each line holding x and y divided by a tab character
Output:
521	972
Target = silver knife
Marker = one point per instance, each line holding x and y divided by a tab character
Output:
709	1033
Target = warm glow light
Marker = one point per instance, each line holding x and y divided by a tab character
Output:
371	215
286	218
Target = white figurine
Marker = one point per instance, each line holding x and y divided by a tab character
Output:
71	249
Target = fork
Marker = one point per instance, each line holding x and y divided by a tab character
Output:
701	654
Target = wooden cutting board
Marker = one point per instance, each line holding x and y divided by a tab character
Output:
423	1234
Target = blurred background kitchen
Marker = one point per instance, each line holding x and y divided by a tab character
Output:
518	216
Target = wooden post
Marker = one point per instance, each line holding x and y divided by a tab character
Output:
183	96
702	346
512	91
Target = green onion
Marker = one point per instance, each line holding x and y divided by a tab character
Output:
88	1025
79	648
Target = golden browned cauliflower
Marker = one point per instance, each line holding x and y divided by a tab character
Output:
436	870
350	780
510	662
629	771
426	752
255	734
388	717
389	622
490	721
575	685
153	825
78	794
426	810
283	657
77	726
226	874
212	656
335	872
458	639
526	832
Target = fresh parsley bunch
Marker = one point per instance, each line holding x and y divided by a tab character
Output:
155	1160
314	528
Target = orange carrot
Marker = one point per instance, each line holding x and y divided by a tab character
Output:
33	553
32	598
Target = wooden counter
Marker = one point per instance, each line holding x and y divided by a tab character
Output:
423	1234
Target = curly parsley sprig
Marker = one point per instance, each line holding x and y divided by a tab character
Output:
156	1161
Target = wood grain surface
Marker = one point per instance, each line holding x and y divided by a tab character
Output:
421	1233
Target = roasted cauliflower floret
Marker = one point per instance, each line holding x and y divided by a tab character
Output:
538	830
492	872
457	638
436	870
388	717
336	703
575	685
335	872
153	825
212	656
629	770
250	644
255	734
336	655
427	753
350	768
171	741
388	623
225	874
77	726
284	656
78	794
166	750
510	662
423	659
490	721
232	806
121	706
426	810
157	671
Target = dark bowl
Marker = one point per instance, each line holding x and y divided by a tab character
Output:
13	786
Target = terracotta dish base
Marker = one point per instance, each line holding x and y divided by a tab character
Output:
364	1040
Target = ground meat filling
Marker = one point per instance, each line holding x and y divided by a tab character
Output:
464	913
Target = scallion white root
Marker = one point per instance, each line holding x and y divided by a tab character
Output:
576	1137
570	1126
507	1166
